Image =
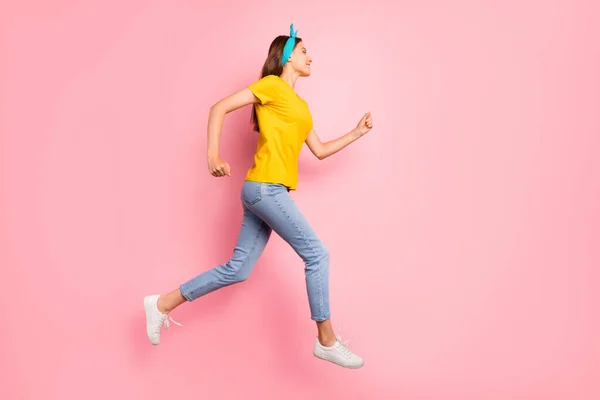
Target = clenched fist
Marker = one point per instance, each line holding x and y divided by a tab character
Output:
217	167
365	124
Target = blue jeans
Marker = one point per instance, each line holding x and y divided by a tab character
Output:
269	207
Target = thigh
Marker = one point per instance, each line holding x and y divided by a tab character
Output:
274	205
253	237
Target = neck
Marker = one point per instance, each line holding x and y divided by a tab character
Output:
290	77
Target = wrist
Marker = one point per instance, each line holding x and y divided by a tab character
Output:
355	133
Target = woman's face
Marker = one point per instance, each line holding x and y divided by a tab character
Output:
301	60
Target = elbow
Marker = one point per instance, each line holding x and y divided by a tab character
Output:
322	152
217	109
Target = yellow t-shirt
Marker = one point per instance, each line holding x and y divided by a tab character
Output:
284	122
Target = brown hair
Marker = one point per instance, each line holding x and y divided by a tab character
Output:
272	66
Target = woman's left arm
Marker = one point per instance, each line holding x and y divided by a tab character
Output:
323	150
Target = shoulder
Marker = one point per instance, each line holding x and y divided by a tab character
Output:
266	89
267	81
271	78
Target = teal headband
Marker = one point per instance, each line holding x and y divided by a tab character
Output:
289	45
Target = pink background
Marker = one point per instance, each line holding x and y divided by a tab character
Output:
464	228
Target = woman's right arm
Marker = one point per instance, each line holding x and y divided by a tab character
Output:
216	165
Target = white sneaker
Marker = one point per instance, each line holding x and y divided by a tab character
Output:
155	319
338	354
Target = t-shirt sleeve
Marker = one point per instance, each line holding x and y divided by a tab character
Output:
265	89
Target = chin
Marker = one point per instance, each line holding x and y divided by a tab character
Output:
306	72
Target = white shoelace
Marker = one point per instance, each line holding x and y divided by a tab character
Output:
344	344
165	322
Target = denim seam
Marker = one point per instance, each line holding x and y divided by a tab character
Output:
319	280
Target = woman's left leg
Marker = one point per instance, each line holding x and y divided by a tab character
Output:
275	207
278	210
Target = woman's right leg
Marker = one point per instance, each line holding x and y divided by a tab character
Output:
253	237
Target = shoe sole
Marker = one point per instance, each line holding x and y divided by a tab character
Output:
340	365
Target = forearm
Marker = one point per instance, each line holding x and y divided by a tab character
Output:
333	146
215	124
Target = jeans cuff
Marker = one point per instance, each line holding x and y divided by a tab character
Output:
184	293
320	318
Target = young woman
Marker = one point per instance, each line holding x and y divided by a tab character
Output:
284	123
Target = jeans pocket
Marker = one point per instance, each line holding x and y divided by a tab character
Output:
251	192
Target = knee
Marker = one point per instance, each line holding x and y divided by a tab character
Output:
324	254
235	272
319	260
